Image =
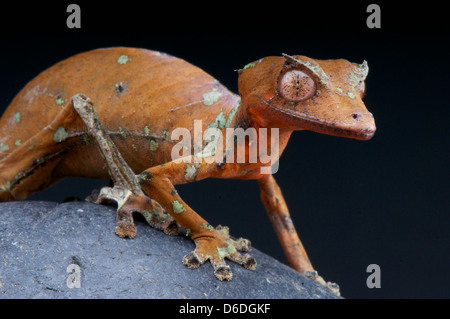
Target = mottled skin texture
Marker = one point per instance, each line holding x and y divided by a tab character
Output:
161	92
109	113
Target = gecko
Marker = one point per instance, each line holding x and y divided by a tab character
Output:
111	114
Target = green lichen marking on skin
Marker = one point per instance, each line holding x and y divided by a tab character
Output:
86	139
226	231
359	74
59	101
123	59
250	65
60	134
232	114
154	145
178	208
351	95
340	90
190	173
18	143
17	117
166	134
147	215
145	177
6	187
219	122
211	97
122	132
207	226
226	251
4	147
146	131
164	214
354	79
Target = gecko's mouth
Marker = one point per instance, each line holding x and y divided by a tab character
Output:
360	126
363	134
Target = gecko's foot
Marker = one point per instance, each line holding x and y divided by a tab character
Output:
127	204
314	276
216	248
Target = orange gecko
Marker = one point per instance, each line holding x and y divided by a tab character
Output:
110	114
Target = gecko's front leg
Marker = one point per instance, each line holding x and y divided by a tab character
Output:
126	191
211	244
278	212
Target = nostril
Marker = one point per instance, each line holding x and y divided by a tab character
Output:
356	115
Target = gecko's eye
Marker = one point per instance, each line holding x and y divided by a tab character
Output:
296	85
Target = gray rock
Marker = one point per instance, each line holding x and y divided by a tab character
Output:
42	244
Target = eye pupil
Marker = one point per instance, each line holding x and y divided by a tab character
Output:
296	85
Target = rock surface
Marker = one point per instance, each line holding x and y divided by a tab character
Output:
45	245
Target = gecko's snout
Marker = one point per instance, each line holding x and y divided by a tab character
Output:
363	125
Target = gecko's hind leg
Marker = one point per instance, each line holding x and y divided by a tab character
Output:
126	192
30	167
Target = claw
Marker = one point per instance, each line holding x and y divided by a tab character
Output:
249	262
222	272
192	260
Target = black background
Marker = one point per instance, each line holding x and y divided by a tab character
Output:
385	201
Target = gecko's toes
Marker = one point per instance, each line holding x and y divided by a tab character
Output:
172	228
125	230
223	273
314	276
249	262
193	260
243	245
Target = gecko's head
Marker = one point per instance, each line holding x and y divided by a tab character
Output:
300	93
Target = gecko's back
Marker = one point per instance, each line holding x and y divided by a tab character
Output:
140	97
